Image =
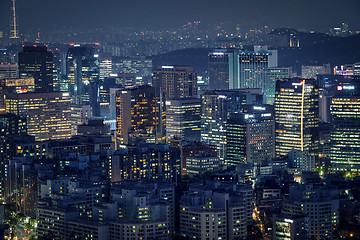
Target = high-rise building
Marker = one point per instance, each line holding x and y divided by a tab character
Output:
37	62
215	109
219	69
345	130
14	85
297	116
47	114
105	66
82	71
136	114
234	68
274	74
250	135
175	81
183	119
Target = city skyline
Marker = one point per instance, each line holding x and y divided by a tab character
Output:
160	14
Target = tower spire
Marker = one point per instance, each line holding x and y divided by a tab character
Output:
13	24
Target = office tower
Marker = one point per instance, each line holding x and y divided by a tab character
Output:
250	135
312	71
219	69
8	70
175	81
105	65
345	128
297	116
58	79
47	114
274	74
10	124
183	120
253	66
207	209
215	109
37	62
319	203
234	68
82	71
136	116
15	85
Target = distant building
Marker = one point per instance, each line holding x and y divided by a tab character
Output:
310	72
139	65
37	62
234	69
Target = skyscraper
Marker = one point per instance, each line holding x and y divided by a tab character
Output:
183	119
82	71
250	135
345	130
216	106
274	74
47	114
297	116
35	61
219	69
175	81
136	114
235	69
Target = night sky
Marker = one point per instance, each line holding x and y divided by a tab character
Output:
156	14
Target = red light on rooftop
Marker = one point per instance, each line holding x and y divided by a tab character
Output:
35	45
